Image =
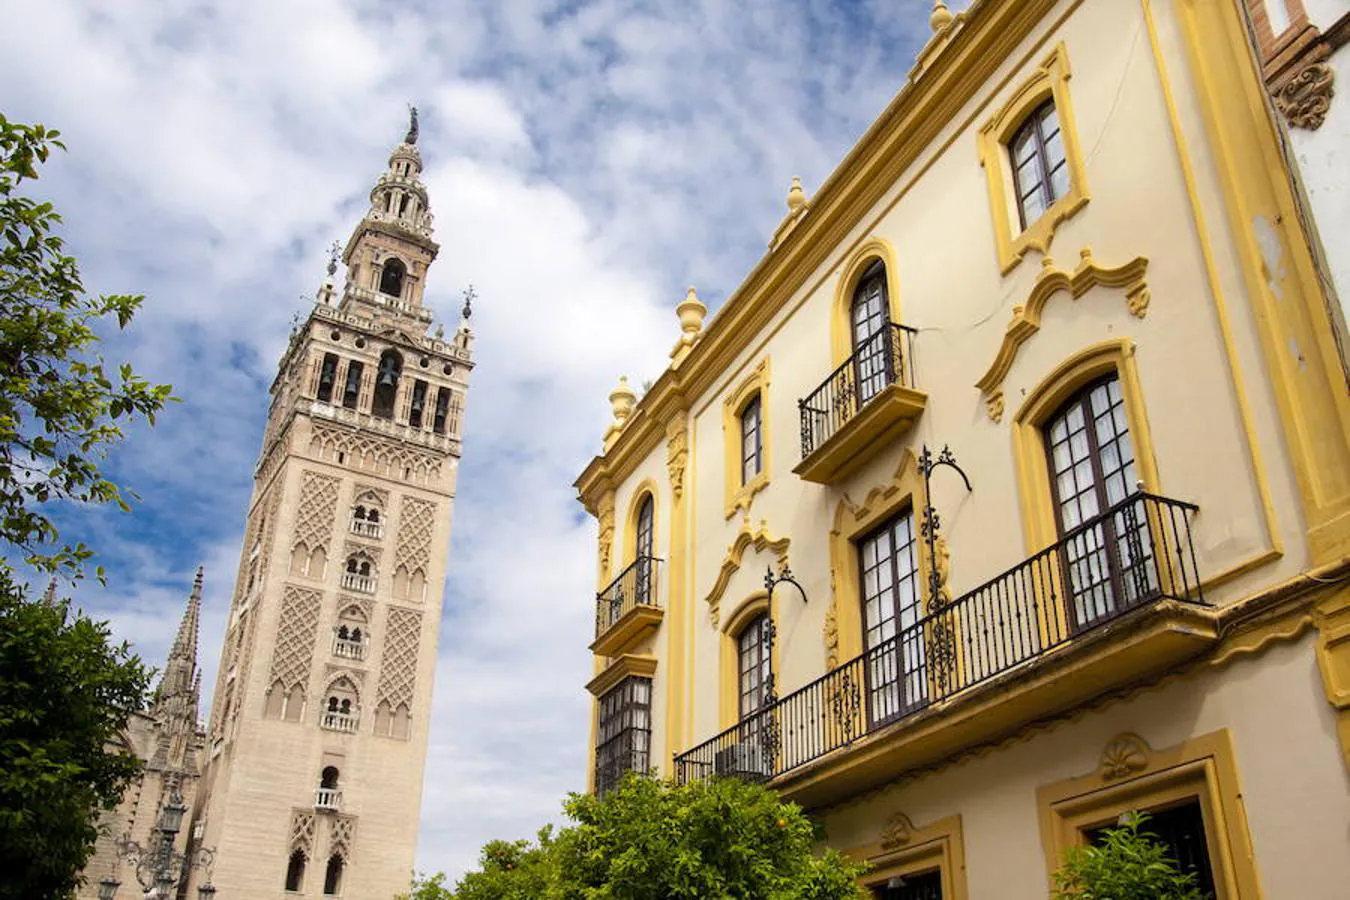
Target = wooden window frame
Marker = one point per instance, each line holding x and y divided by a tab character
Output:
905	705
750	646
620	702
752	461
1033	126
740	493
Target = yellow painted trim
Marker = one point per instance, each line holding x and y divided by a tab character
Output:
1288	303
904	489
1026	318
761	540
851	272
729	673
1033	473
1332	618
1050	80
678	437
901	850
639	664
646	486
1132	776
1202	235
756	384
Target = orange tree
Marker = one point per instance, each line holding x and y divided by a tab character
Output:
656	840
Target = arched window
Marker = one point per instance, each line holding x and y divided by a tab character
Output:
365	568
644	545
1092	471
359	513
891	608
332	876
351	390
332	704
327	377
752	441
373	515
1040	169
356	633
753	666
391	277
419	403
386	384
343	633
869	321
295	871
328	779
352	565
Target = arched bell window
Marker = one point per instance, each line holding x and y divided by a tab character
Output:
386	384
328	779
327	377
391	277
869	318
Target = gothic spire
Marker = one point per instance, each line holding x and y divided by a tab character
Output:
181	667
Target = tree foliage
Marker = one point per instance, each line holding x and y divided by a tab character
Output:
1126	865
64	692
61	405
654	840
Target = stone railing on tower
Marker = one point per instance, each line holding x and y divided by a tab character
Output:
328	799
435	345
397	431
339	721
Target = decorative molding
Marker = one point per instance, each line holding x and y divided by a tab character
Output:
1026	318
302	831
740	495
294	654
1305	98
606	534
677	453
398	661
316	511
342	836
761	540
898	832
1124	755
416	521
830	633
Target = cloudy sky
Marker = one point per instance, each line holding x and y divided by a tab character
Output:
586	161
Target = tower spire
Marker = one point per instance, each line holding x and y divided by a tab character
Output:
181	666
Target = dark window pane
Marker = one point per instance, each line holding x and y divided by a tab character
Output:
624	732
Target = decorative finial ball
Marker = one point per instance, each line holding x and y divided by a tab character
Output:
691	311
796	197
622	399
941	16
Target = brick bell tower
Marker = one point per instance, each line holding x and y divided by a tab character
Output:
318	732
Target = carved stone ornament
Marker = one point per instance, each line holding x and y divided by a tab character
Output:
1124	755
898	832
1306	97
677	451
830	633
606	533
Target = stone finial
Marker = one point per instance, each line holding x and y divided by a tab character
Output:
941	16
621	401
796	197
691	311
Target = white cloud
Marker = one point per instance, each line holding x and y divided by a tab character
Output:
586	161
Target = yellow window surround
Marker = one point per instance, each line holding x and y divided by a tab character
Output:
1133	776
645	487
841	312
1033	474
1049	81
903	850
639	665
756	384
843	623
729	707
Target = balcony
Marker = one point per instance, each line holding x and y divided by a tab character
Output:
328	800
364	528
362	584
345	648
627	609
865	404
1115	601
338	721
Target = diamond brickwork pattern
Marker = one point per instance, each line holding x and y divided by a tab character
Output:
398	665
371	454
416	520
302	831
316	511
295	637
342	837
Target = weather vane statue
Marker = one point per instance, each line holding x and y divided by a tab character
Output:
411	136
469	296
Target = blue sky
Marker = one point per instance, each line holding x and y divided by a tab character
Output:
585	160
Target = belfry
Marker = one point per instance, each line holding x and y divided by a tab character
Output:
317	737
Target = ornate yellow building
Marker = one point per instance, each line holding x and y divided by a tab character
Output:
1040	395
318	732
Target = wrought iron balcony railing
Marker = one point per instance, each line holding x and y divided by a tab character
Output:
878	362
635	586
1138	552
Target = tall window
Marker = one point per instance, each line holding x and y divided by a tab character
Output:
921	886
391	278
419	403
892	606
625	733
1106	558
752	441
1040	169
295	871
386	384
332	876
351	391
753	666
645	542
869	318
442	410
327	377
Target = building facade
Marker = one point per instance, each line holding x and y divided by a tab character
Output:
318	730
1039	395
168	739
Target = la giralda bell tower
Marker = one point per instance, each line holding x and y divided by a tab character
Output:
318	732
